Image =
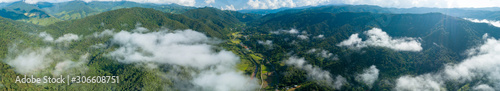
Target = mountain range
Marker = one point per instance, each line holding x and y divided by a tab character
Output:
333	47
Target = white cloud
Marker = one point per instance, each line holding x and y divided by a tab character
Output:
140	29
304	37
322	77
210	69
228	7
179	47
180	2
209	1
100	45
312	2
483	63
270	4
7	1
312	50
30	61
71	66
292	31
339	82
483	87
425	82
377	37
267	43
229	81
66	37
319	36
323	53
275	4
106	32
352	41
301	35
494	23
369	76
46	36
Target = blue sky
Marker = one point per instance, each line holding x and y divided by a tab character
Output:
274	4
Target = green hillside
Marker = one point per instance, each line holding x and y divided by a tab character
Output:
126	19
41	13
134	77
13	32
262	45
444	38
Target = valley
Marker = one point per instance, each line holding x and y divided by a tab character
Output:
181	48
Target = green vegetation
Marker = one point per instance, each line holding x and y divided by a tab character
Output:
443	39
44	13
134	78
454	35
42	21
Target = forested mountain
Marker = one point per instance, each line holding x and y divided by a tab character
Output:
444	40
40	13
13	32
268	11
172	47
20	10
219	18
12	15
427	26
130	19
480	13
126	19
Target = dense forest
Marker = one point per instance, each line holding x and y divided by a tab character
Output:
325	48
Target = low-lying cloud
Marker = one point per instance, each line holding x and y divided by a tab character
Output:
301	35
212	69
482	64
320	36
30	61
426	82
483	87
186	47
267	43
68	66
369	76
227	81
291	31
106	32
379	38
323	53
322	77
66	37
493	23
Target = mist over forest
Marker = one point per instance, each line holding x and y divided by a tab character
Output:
250	45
